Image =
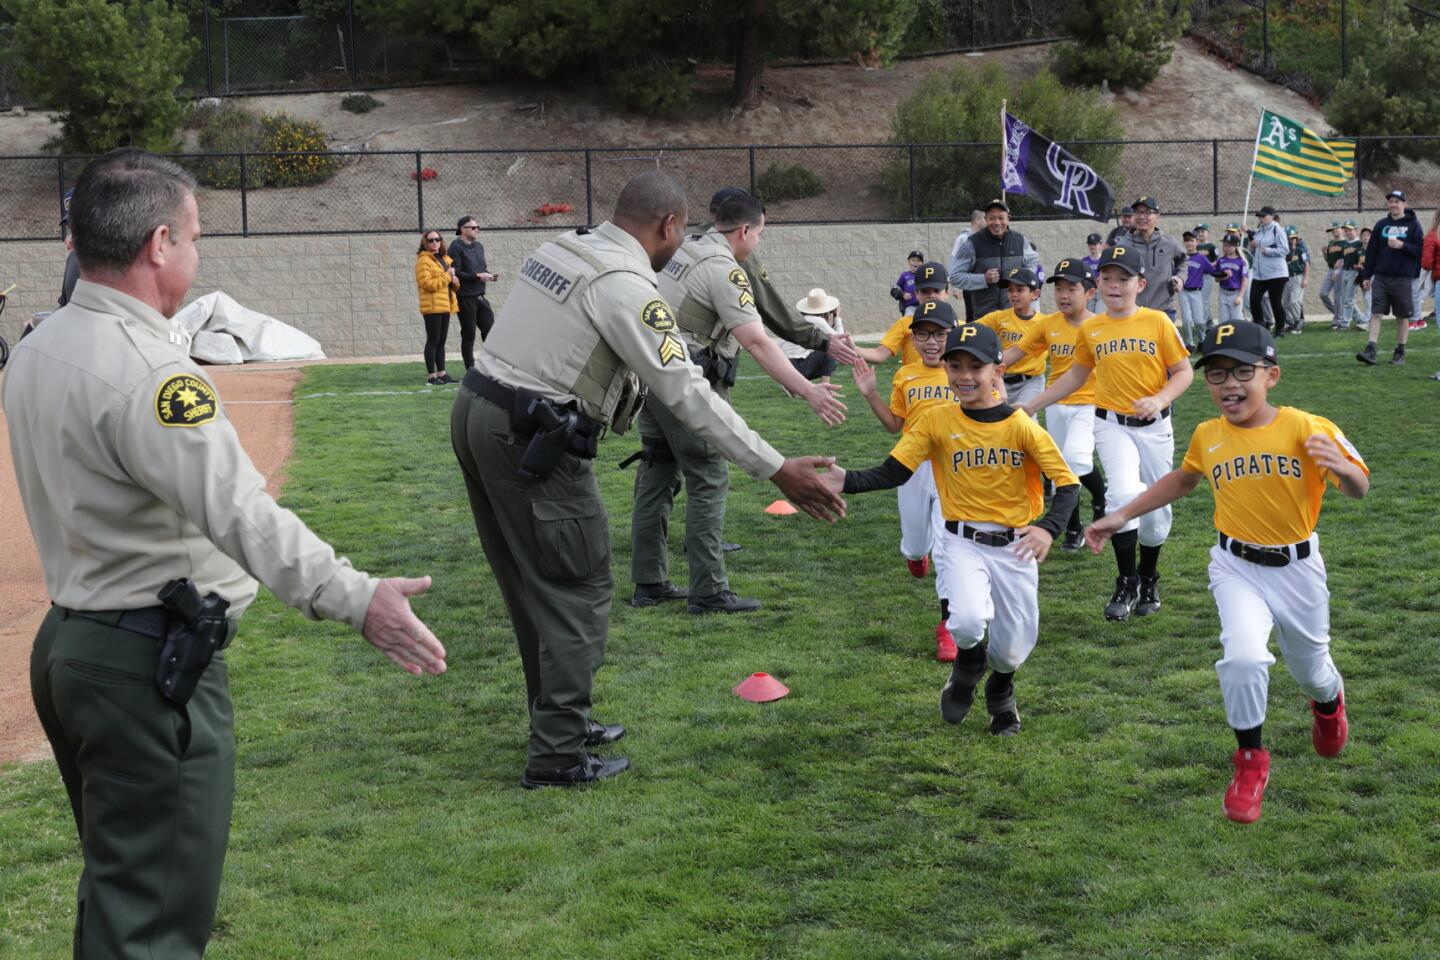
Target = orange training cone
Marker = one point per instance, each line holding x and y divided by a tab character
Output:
781	508
760	688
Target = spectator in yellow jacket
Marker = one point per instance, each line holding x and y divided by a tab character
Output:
435	279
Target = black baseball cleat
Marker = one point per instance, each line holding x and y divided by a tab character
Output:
1073	541
589	770
599	734
1397	359
1000	704
1122	603
725	601
1367	356
959	691
654	594
1149	601
1005	724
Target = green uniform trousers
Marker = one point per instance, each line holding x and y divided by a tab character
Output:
707	482
548	543
150	784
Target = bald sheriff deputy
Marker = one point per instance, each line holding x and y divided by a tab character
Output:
135	486
560	367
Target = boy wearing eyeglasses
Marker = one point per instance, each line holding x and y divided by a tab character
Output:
1267	467
916	388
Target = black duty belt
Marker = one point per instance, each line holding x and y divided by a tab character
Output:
1194	289
147	621
1011	379
587	431
1128	421
986	538
1266	556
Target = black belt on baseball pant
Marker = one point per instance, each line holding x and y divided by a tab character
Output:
1128	421
986	538
1011	379
584	442
147	621
1194	289
1266	556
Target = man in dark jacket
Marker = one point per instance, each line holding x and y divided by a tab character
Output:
981	260
469	255
1392	262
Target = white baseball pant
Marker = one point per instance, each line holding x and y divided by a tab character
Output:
1072	427
1252	599
1134	458
1230	311
920	521
991	588
1023	392
1192	316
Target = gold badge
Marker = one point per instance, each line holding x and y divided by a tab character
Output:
737	277
657	316
671	349
185	401
747	299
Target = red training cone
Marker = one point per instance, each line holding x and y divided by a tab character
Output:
781	508
760	688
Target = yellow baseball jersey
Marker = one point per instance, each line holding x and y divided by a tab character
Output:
1267	488
1131	356
915	389
899	342
1051	333
987	472
1012	327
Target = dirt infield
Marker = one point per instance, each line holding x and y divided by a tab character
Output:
257	400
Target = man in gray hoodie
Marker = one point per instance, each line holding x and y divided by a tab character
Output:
1162	255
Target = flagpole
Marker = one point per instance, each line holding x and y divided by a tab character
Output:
1254	155
1004	148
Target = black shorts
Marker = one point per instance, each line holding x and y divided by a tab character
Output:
1391	294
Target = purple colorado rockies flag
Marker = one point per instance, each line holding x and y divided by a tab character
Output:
1037	168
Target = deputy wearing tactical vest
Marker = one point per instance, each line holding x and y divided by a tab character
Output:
985	257
559	369
715	312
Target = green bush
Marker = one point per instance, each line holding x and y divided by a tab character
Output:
359	103
232	129
778	183
660	88
1125	42
963	106
110	70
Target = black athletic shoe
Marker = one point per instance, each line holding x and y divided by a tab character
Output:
959	691
1005	724
730	547
1149	596
589	770
1073	541
1367	355
723	602
1397	359
654	594
1000	704
1122	603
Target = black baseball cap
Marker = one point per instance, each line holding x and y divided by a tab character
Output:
937	312
1397	194
1121	256
65	207
996	204
460	224
915	255
1076	271
723	194
979	341
1239	340
932	276
1231	238
1268	211
1021	276
1126	210
1146	201
1094	238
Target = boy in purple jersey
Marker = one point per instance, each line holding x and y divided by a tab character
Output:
1192	292
904	289
1096	244
1232	271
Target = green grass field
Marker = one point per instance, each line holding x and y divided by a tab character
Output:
380	815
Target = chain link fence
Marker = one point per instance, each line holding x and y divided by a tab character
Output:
404	191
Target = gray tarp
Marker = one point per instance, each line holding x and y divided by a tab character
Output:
223	331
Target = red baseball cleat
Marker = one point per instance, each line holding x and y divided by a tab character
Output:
1330	733
918	568
944	643
1247	789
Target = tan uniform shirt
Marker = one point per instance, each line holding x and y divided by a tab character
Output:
542	339
132	475
714	284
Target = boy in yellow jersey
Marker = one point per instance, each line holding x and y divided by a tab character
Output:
1026	378
987	459
1140	368
932	282
916	388
1071	422
1267	467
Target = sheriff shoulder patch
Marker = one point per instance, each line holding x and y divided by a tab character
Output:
185	401
657	316
737	277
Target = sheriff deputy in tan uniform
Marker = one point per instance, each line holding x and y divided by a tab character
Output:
132	476
560	367
714	303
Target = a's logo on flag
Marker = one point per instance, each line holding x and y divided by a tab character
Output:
1043	170
1291	153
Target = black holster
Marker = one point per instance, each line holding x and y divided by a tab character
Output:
195	629
715	368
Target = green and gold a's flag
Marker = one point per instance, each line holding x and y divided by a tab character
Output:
1290	153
